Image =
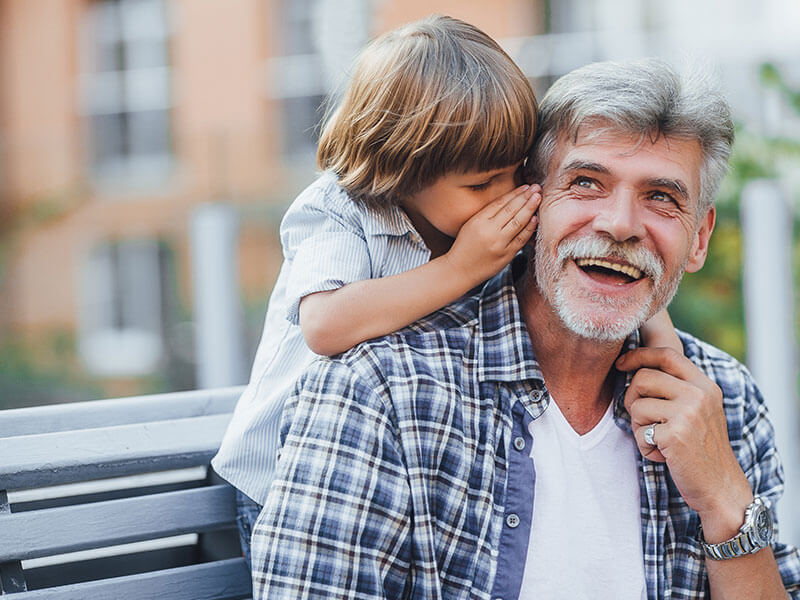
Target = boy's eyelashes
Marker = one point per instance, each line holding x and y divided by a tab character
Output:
480	186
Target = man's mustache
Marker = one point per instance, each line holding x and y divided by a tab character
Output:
631	253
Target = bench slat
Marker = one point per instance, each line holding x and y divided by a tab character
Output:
219	580
52	531
68	456
118	411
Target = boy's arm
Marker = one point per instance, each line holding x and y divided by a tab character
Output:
336	320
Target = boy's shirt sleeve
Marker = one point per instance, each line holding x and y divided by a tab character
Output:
323	240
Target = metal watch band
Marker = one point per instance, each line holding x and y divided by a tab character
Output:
755	534
737	546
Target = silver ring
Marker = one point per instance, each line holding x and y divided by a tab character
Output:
649	432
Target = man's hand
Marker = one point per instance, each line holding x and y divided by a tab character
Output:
690	435
493	236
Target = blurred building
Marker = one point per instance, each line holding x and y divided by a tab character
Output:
118	119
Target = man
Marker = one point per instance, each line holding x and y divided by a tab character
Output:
519	443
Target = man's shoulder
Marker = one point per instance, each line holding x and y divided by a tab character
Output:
429	345
733	378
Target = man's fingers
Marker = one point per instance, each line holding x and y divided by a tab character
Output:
646	410
662	359
649	451
658	384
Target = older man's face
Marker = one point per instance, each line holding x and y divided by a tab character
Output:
618	226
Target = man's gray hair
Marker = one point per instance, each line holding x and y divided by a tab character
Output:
644	97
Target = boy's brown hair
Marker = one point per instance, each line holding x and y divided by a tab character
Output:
433	97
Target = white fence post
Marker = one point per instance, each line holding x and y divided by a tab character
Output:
219	342
771	351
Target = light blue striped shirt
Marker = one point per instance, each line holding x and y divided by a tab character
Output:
328	241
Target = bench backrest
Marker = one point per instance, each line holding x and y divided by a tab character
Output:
114	499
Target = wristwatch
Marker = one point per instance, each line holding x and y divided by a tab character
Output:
755	534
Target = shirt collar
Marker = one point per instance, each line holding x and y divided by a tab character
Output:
391	220
505	349
621	416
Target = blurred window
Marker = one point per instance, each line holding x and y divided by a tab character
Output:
126	91
303	95
122	307
302	116
299	20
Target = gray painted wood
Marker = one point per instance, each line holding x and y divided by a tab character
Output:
12	578
226	579
69	456
52	531
120	411
52	445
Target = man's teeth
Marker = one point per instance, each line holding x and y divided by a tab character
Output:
628	270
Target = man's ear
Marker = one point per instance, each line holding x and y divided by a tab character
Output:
699	249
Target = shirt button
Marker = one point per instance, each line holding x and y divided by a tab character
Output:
537	395
512	521
519	443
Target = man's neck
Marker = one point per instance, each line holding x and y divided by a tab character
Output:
578	372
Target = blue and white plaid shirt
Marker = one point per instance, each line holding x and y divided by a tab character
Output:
398	474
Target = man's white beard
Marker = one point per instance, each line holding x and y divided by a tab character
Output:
594	322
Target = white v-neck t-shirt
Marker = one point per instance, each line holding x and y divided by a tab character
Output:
586	538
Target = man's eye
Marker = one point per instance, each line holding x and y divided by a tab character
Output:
661	197
480	186
584	182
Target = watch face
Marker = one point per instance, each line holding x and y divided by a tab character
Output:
763	525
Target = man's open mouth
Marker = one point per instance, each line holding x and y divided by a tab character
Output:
609	272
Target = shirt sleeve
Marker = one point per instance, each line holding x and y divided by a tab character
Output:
323	240
336	523
765	474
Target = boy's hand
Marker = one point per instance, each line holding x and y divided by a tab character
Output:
658	332
493	236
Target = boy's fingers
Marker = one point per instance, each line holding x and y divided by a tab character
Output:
523	236
505	206
521	218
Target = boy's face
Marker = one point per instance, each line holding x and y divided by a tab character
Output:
449	202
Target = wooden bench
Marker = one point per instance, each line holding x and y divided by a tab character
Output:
114	499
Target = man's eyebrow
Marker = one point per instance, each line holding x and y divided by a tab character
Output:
676	185
585	165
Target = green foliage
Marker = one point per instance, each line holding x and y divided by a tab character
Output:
27	378
710	304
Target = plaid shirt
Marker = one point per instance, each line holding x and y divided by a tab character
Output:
397	473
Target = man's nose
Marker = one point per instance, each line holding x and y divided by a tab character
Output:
618	217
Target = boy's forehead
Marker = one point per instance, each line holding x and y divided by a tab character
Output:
491	172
